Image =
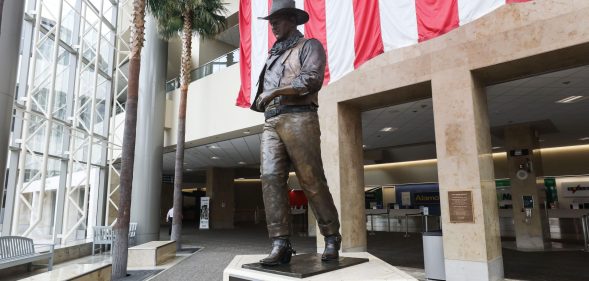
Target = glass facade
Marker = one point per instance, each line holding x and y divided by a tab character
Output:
58	163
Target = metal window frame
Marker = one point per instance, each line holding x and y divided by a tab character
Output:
34	35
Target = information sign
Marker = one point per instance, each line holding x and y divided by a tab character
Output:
460	203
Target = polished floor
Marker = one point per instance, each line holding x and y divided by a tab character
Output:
220	246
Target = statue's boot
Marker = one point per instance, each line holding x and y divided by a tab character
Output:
332	246
281	252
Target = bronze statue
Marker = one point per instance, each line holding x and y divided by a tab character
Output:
287	94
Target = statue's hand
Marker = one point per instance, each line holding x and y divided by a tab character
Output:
265	98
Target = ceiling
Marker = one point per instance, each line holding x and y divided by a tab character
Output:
230	36
237	152
411	137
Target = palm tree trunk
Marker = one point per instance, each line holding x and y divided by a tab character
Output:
121	228
179	168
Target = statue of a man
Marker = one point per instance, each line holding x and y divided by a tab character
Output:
287	94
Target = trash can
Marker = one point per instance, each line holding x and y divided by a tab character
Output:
433	256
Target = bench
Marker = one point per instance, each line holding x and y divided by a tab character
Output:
16	250
151	253
104	235
76	272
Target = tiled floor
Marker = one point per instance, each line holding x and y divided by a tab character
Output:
220	246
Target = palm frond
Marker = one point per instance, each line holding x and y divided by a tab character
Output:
208	18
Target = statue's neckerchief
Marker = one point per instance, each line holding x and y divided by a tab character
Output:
282	46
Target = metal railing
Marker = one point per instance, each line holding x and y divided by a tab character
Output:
207	69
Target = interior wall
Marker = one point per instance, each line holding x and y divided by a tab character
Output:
175	55
212	49
219	90
248	199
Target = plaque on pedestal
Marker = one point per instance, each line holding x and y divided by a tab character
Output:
302	266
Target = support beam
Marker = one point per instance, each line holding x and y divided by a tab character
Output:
341	124
472	246
147	175
221	191
11	16
532	231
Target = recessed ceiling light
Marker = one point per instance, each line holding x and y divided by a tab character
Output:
388	129
241	163
584	139
215	158
570	99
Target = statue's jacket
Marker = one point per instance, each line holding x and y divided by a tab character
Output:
302	66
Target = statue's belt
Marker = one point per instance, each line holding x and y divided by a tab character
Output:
272	112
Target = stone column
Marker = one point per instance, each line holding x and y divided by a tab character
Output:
472	250
530	232
221	193
10	30
147	173
341	151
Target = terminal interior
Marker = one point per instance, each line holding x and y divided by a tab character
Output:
400	168
538	124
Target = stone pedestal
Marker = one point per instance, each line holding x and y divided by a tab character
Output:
303	266
76	272
373	269
151	254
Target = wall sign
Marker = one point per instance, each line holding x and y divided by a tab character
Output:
204	213
426	198
575	189
406	198
460	203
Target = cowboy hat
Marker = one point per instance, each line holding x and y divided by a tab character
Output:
281	7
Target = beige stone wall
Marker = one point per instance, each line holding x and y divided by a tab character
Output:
512	42
211	109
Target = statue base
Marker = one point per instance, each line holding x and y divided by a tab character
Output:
303	266
351	266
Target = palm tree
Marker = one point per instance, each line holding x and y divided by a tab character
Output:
121	228
186	17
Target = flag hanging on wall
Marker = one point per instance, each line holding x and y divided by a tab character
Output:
352	31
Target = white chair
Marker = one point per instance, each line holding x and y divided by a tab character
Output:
103	235
133	233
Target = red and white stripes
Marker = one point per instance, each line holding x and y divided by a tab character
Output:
353	31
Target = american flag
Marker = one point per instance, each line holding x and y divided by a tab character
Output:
352	31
